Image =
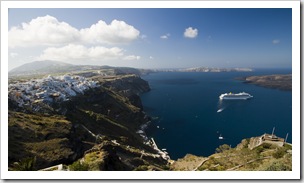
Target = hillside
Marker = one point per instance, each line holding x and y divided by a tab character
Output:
43	68
39	67
265	157
100	124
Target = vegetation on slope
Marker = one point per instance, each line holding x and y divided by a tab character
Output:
266	157
97	129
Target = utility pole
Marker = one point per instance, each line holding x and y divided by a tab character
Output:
272	132
286	138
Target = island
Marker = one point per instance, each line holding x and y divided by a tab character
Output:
276	81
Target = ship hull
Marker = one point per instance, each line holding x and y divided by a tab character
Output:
240	96
235	98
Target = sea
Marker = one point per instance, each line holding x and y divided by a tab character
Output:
188	117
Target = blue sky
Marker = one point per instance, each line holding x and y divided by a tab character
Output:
152	38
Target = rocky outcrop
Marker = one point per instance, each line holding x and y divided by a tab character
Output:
278	81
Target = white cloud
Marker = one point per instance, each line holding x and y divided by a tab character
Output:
45	30
190	32
115	33
48	31
151	58
166	36
80	52
131	57
275	41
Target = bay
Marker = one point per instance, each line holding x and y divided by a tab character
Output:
184	108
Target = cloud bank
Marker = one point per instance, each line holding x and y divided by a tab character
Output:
79	52
48	31
115	33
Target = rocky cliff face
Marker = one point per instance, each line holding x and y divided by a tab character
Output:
97	128
129	86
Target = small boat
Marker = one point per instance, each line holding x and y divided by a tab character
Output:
220	137
220	110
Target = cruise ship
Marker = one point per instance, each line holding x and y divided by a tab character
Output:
235	96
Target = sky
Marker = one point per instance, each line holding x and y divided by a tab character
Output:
152	38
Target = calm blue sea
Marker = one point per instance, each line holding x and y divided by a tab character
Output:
185	105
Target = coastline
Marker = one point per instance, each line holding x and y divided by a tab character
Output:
150	141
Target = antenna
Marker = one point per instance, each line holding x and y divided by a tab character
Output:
272	132
286	138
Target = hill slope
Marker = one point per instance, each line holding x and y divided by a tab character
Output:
100	126
38	67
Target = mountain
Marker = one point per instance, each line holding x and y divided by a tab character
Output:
40	67
56	67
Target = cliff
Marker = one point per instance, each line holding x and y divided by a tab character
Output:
96	127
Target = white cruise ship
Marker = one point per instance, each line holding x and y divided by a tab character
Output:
235	96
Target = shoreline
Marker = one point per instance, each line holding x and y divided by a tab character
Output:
150	141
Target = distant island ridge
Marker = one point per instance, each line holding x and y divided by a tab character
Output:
51	66
276	81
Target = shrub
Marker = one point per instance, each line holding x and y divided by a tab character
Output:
222	148
259	149
26	164
78	166
142	168
266	145
278	166
287	146
279	153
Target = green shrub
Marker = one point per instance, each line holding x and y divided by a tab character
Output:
222	148
279	153
266	145
26	164
278	166
288	147
259	149
142	168
78	166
